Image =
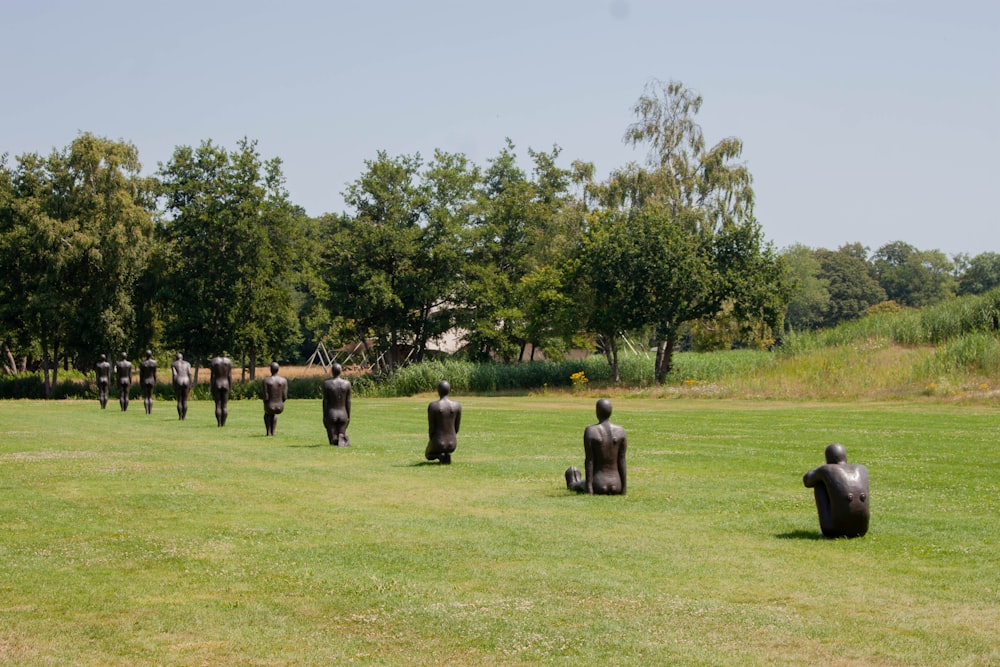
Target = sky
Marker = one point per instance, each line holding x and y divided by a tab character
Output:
862	121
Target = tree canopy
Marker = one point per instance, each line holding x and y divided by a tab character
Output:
210	255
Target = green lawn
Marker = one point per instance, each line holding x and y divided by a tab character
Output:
132	539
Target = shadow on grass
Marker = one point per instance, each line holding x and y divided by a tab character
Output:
800	535
307	446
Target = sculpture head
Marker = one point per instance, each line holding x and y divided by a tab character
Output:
336	369
124	356
443	388
603	409
179	357
274	368
835	453
149	353
104	357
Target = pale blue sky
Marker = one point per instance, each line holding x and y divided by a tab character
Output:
862	121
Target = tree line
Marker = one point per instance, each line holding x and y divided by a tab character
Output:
209	255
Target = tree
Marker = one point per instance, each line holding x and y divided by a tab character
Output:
913	277
980	274
810	295
75	232
699	248
394	266
849	280
499	239
230	238
638	268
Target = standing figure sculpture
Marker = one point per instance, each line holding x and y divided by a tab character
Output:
103	369
444	417
180	372
123	369
841	491
275	395
604	445
221	384
147	380
337	407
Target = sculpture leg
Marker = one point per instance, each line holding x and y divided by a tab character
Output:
823	509
574	480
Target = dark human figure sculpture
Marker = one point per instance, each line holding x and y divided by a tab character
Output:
604	445
180	372
841	491
123	369
103	380
275	395
444	417
147	380
221	382
337	407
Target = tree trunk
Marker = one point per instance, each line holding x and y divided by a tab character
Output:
10	364
611	354
614	367
665	354
253	363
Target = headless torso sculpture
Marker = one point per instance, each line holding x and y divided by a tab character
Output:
841	491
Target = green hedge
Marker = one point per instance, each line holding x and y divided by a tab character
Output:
464	377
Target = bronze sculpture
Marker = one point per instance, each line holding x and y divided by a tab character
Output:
103	369
123	369
147	380
275	395
337	407
841	491
604	446
444	417
180	372
221	383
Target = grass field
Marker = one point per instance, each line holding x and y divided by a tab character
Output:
130	539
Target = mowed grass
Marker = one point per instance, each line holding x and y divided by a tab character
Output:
129	539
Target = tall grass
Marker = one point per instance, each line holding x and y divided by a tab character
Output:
952	346
927	326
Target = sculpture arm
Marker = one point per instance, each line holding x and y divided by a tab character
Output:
814	477
347	403
458	418
621	461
